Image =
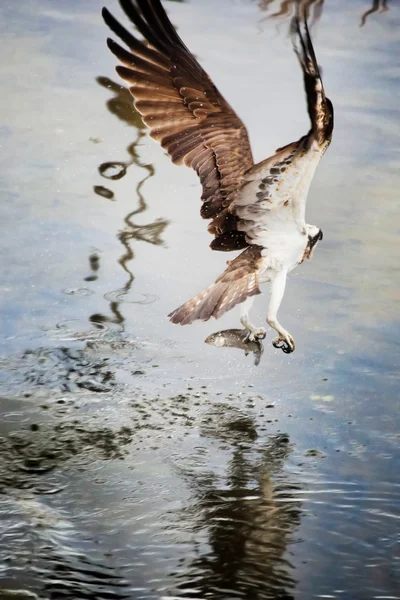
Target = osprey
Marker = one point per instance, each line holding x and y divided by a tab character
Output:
257	208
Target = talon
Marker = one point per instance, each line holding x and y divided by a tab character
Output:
255	335
259	334
286	344
249	337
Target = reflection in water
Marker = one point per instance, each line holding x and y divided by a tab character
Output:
74	575
377	6
313	8
100	190
121	105
113	170
237	338
94	264
49	550
248	519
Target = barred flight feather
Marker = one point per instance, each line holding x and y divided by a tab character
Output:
238	282
180	104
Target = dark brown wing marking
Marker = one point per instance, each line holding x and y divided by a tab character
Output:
237	282
320	107
181	105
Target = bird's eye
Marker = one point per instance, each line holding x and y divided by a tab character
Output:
320	235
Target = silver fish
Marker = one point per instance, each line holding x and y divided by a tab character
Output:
236	338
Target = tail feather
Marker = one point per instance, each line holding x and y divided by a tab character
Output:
237	282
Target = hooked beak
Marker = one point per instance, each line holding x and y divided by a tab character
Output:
313	243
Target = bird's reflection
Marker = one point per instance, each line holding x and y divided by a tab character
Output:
121	105
313	8
248	519
237	338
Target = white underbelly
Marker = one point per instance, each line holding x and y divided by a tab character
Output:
281	251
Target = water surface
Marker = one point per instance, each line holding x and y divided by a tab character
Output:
136	460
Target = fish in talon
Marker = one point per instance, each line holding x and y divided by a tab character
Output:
237	338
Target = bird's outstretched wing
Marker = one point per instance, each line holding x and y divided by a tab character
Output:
275	191
182	107
319	106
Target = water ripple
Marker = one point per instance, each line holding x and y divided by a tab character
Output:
69	330
122	295
77	292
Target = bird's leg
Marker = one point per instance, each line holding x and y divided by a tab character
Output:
254	332
284	339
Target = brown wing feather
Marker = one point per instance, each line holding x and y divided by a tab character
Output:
237	282
182	107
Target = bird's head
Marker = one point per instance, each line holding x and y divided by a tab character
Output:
314	236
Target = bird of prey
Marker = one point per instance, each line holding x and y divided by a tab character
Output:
256	208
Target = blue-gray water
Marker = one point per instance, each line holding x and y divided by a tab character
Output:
135	460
